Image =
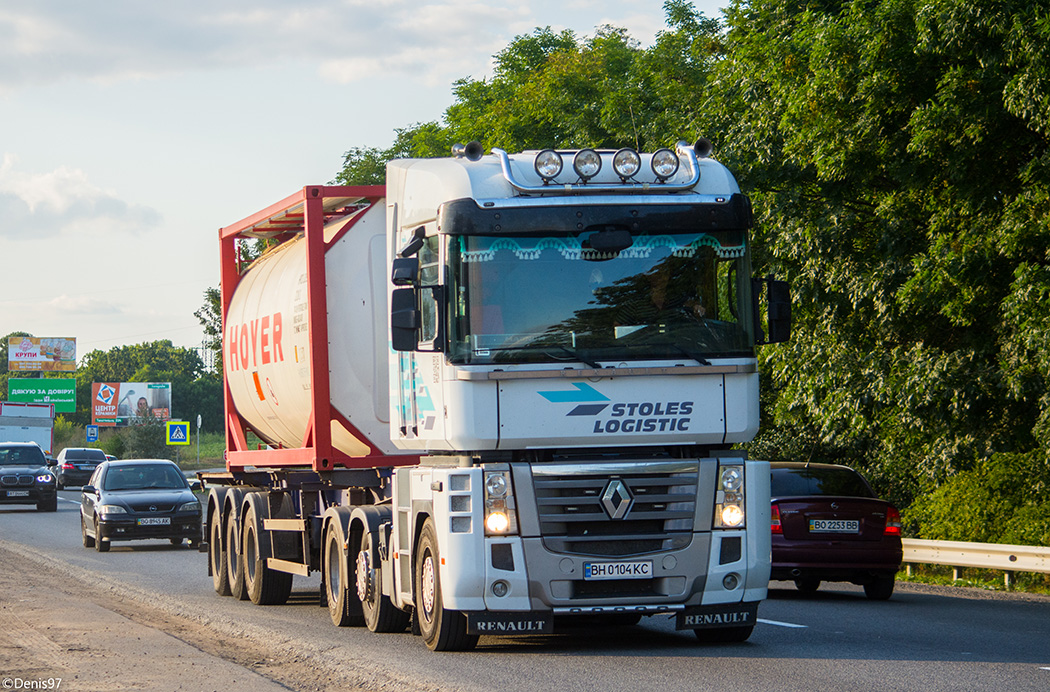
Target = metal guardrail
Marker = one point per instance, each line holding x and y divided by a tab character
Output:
956	554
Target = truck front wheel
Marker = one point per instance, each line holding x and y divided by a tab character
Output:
442	630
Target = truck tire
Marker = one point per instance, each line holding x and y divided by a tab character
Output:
725	635
442	630
220	578
343	606
265	586
89	541
234	562
379	613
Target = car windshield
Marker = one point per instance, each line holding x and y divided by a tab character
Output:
144	477
803	482
21	456
555	298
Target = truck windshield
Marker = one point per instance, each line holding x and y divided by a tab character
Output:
526	299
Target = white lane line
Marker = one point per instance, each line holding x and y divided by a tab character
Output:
783	624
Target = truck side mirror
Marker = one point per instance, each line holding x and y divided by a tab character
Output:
404	320
778	307
405	271
779	317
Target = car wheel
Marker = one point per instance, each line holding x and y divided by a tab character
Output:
807	585
879	588
89	541
442	630
100	545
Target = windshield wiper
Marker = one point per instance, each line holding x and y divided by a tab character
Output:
575	354
689	354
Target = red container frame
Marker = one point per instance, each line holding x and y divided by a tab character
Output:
304	213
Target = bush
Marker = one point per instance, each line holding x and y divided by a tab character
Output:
1004	499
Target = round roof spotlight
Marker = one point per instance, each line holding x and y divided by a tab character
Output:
548	164
627	163
587	163
664	164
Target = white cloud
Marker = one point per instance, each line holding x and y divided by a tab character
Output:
41	205
47	41
82	306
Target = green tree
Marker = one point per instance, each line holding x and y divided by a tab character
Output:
898	156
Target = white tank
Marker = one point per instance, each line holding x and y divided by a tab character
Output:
266	339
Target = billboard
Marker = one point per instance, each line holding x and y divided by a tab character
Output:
127	403
60	392
33	354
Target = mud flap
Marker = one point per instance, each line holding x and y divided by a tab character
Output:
488	622
722	615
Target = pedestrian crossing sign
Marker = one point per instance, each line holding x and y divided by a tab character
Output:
178	432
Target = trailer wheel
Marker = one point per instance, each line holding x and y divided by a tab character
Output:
380	615
342	606
234	563
265	586
220	578
442	630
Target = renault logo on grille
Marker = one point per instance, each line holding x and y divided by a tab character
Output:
617	499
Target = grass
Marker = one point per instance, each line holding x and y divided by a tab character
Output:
971	577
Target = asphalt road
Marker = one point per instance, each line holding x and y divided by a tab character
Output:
924	638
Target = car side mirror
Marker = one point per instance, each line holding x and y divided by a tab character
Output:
778	307
89	490
195	485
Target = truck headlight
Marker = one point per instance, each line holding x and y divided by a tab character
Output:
500	518
729	497
626	163
548	164
587	163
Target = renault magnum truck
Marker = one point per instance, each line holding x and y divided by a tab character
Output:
500	393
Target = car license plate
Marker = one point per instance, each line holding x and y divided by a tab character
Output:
18	493
834	525
618	570
155	521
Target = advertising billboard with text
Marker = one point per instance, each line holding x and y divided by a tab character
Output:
129	403
32	354
60	392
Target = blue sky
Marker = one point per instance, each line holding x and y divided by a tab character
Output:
130	131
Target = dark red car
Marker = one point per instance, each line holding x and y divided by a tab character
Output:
828	525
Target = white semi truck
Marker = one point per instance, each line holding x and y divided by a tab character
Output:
23	422
498	393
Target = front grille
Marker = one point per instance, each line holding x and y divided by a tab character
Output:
653	504
12	480
160	508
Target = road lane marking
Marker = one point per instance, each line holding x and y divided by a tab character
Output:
783	624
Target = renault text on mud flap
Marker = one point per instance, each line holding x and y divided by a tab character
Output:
624	417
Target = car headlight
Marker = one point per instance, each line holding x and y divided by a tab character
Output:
189	507
106	510
45	478
500	518
729	497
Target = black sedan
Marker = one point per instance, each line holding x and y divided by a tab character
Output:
25	478
137	499
828	525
